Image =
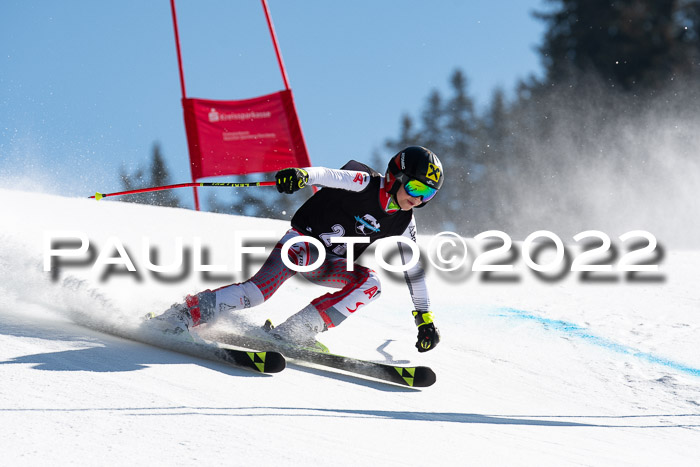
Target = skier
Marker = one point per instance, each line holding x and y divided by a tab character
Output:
354	201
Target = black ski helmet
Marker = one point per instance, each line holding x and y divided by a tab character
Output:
414	163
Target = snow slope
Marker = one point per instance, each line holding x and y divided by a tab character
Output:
530	372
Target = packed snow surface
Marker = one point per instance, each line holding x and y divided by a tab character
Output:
532	370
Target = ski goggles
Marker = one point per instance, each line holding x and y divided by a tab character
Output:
418	189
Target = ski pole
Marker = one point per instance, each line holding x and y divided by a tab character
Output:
98	196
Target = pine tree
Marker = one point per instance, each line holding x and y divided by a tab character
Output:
631	44
159	175
449	129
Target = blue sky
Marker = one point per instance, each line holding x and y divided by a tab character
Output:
87	87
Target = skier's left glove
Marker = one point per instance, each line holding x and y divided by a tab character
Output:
291	180
428	334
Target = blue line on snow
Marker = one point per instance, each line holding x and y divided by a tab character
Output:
575	330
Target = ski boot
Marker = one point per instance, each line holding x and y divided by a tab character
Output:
300	330
181	317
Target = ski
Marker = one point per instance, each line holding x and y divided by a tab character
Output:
262	360
412	376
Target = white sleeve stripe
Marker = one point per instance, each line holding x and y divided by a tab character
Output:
415	277
352	180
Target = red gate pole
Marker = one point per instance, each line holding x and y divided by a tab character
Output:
182	83
284	72
177	47
274	43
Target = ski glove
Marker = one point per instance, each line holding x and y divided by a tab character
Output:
428	334
291	180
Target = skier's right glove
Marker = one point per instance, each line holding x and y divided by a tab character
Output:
428	334
291	180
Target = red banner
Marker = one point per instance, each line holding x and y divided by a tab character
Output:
238	137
